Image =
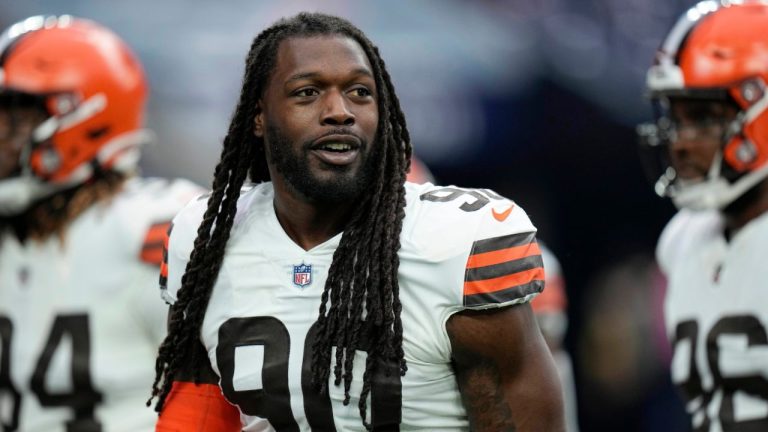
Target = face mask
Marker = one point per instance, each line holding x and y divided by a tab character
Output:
16	194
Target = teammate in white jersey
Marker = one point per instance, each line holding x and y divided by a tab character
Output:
80	238
709	85
333	295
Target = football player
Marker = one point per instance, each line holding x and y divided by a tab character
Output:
80	236
333	294
708	84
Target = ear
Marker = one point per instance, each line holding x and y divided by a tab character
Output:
258	121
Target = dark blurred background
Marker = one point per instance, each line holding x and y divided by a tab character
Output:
535	99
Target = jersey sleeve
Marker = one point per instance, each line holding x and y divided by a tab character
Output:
504	265
152	248
145	209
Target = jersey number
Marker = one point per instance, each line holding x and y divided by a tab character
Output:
475	199
273	400
753	385
82	399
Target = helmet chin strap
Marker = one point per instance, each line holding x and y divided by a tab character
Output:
16	194
714	192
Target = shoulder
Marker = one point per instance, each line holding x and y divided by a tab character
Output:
180	238
684	233
452	219
145	200
253	199
484	241
165	193
757	229
143	211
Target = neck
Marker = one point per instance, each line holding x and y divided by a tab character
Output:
746	208
308	223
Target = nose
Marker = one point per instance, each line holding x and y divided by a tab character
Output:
680	144
336	110
686	137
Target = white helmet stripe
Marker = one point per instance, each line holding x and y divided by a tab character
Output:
89	108
684	25
666	75
757	108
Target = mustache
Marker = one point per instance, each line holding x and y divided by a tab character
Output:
336	131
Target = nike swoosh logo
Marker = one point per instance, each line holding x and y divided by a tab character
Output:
502	216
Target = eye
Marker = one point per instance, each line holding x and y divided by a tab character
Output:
361	92
306	92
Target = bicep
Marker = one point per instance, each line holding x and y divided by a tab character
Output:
505	372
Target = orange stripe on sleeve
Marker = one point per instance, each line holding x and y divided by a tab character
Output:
197	408
164	261
503	282
164	269
503	255
152	255
156	233
154	241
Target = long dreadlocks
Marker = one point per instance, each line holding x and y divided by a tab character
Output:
364	270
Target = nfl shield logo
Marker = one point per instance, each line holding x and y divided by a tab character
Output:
302	275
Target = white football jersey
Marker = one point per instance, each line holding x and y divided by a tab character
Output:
716	314
460	248
79	319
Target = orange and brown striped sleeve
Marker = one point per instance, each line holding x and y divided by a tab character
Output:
152	247
164	263
503	269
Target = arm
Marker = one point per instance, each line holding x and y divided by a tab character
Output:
505	372
192	407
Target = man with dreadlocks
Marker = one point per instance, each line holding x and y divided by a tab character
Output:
81	237
333	294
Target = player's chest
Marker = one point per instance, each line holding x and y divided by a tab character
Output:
36	278
719	278
716	305
260	329
288	287
717	321
260	337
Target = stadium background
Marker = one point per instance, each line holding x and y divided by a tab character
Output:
536	100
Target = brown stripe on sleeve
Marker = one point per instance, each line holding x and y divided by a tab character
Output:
503	269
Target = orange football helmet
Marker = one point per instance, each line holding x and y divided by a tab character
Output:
717	50
93	89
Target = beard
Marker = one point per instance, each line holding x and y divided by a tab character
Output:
345	183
